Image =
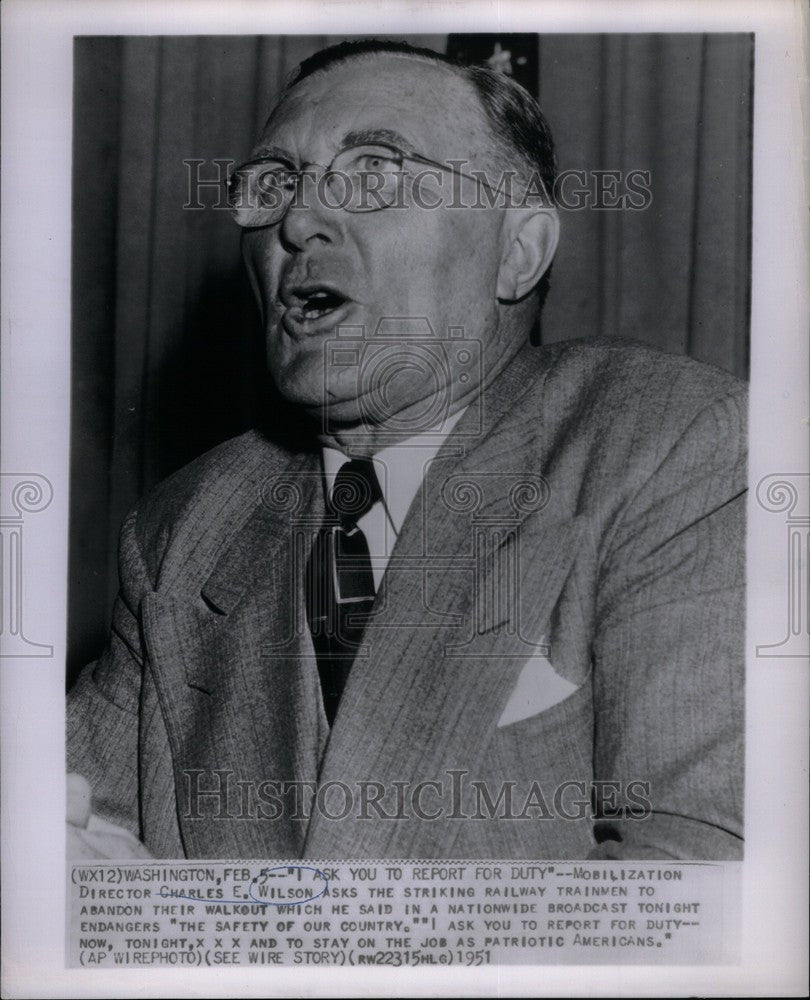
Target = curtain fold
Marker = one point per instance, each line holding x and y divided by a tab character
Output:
166	358
676	274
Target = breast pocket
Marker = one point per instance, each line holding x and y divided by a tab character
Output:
552	746
538	688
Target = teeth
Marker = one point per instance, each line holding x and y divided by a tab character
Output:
321	301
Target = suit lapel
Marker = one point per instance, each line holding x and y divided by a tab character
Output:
236	677
444	649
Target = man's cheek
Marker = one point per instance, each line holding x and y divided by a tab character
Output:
263	269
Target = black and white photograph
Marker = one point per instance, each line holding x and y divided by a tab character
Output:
421	525
470	583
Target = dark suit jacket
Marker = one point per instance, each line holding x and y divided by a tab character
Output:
590	510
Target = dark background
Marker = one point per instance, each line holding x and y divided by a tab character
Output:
167	360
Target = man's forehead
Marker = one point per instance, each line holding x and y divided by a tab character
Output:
424	102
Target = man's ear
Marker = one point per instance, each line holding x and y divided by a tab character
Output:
531	242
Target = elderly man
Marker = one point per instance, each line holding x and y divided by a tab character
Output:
474	598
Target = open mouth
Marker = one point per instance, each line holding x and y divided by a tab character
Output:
316	302
321	302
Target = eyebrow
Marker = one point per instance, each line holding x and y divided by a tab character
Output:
370	136
358	137
270	152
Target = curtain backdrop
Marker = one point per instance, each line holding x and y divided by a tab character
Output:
166	357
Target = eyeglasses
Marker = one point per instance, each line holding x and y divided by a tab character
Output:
360	179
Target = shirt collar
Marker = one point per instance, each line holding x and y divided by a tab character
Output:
400	467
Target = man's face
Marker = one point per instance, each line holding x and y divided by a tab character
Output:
437	264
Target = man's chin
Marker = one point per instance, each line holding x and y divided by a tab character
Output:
311	398
335	417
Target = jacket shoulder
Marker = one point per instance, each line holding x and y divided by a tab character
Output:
616	382
619	365
608	414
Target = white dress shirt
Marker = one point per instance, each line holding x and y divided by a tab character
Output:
400	469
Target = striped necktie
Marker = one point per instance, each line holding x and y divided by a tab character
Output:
339	581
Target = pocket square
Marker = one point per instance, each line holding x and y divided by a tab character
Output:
538	688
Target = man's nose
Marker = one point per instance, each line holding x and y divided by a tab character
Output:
310	216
